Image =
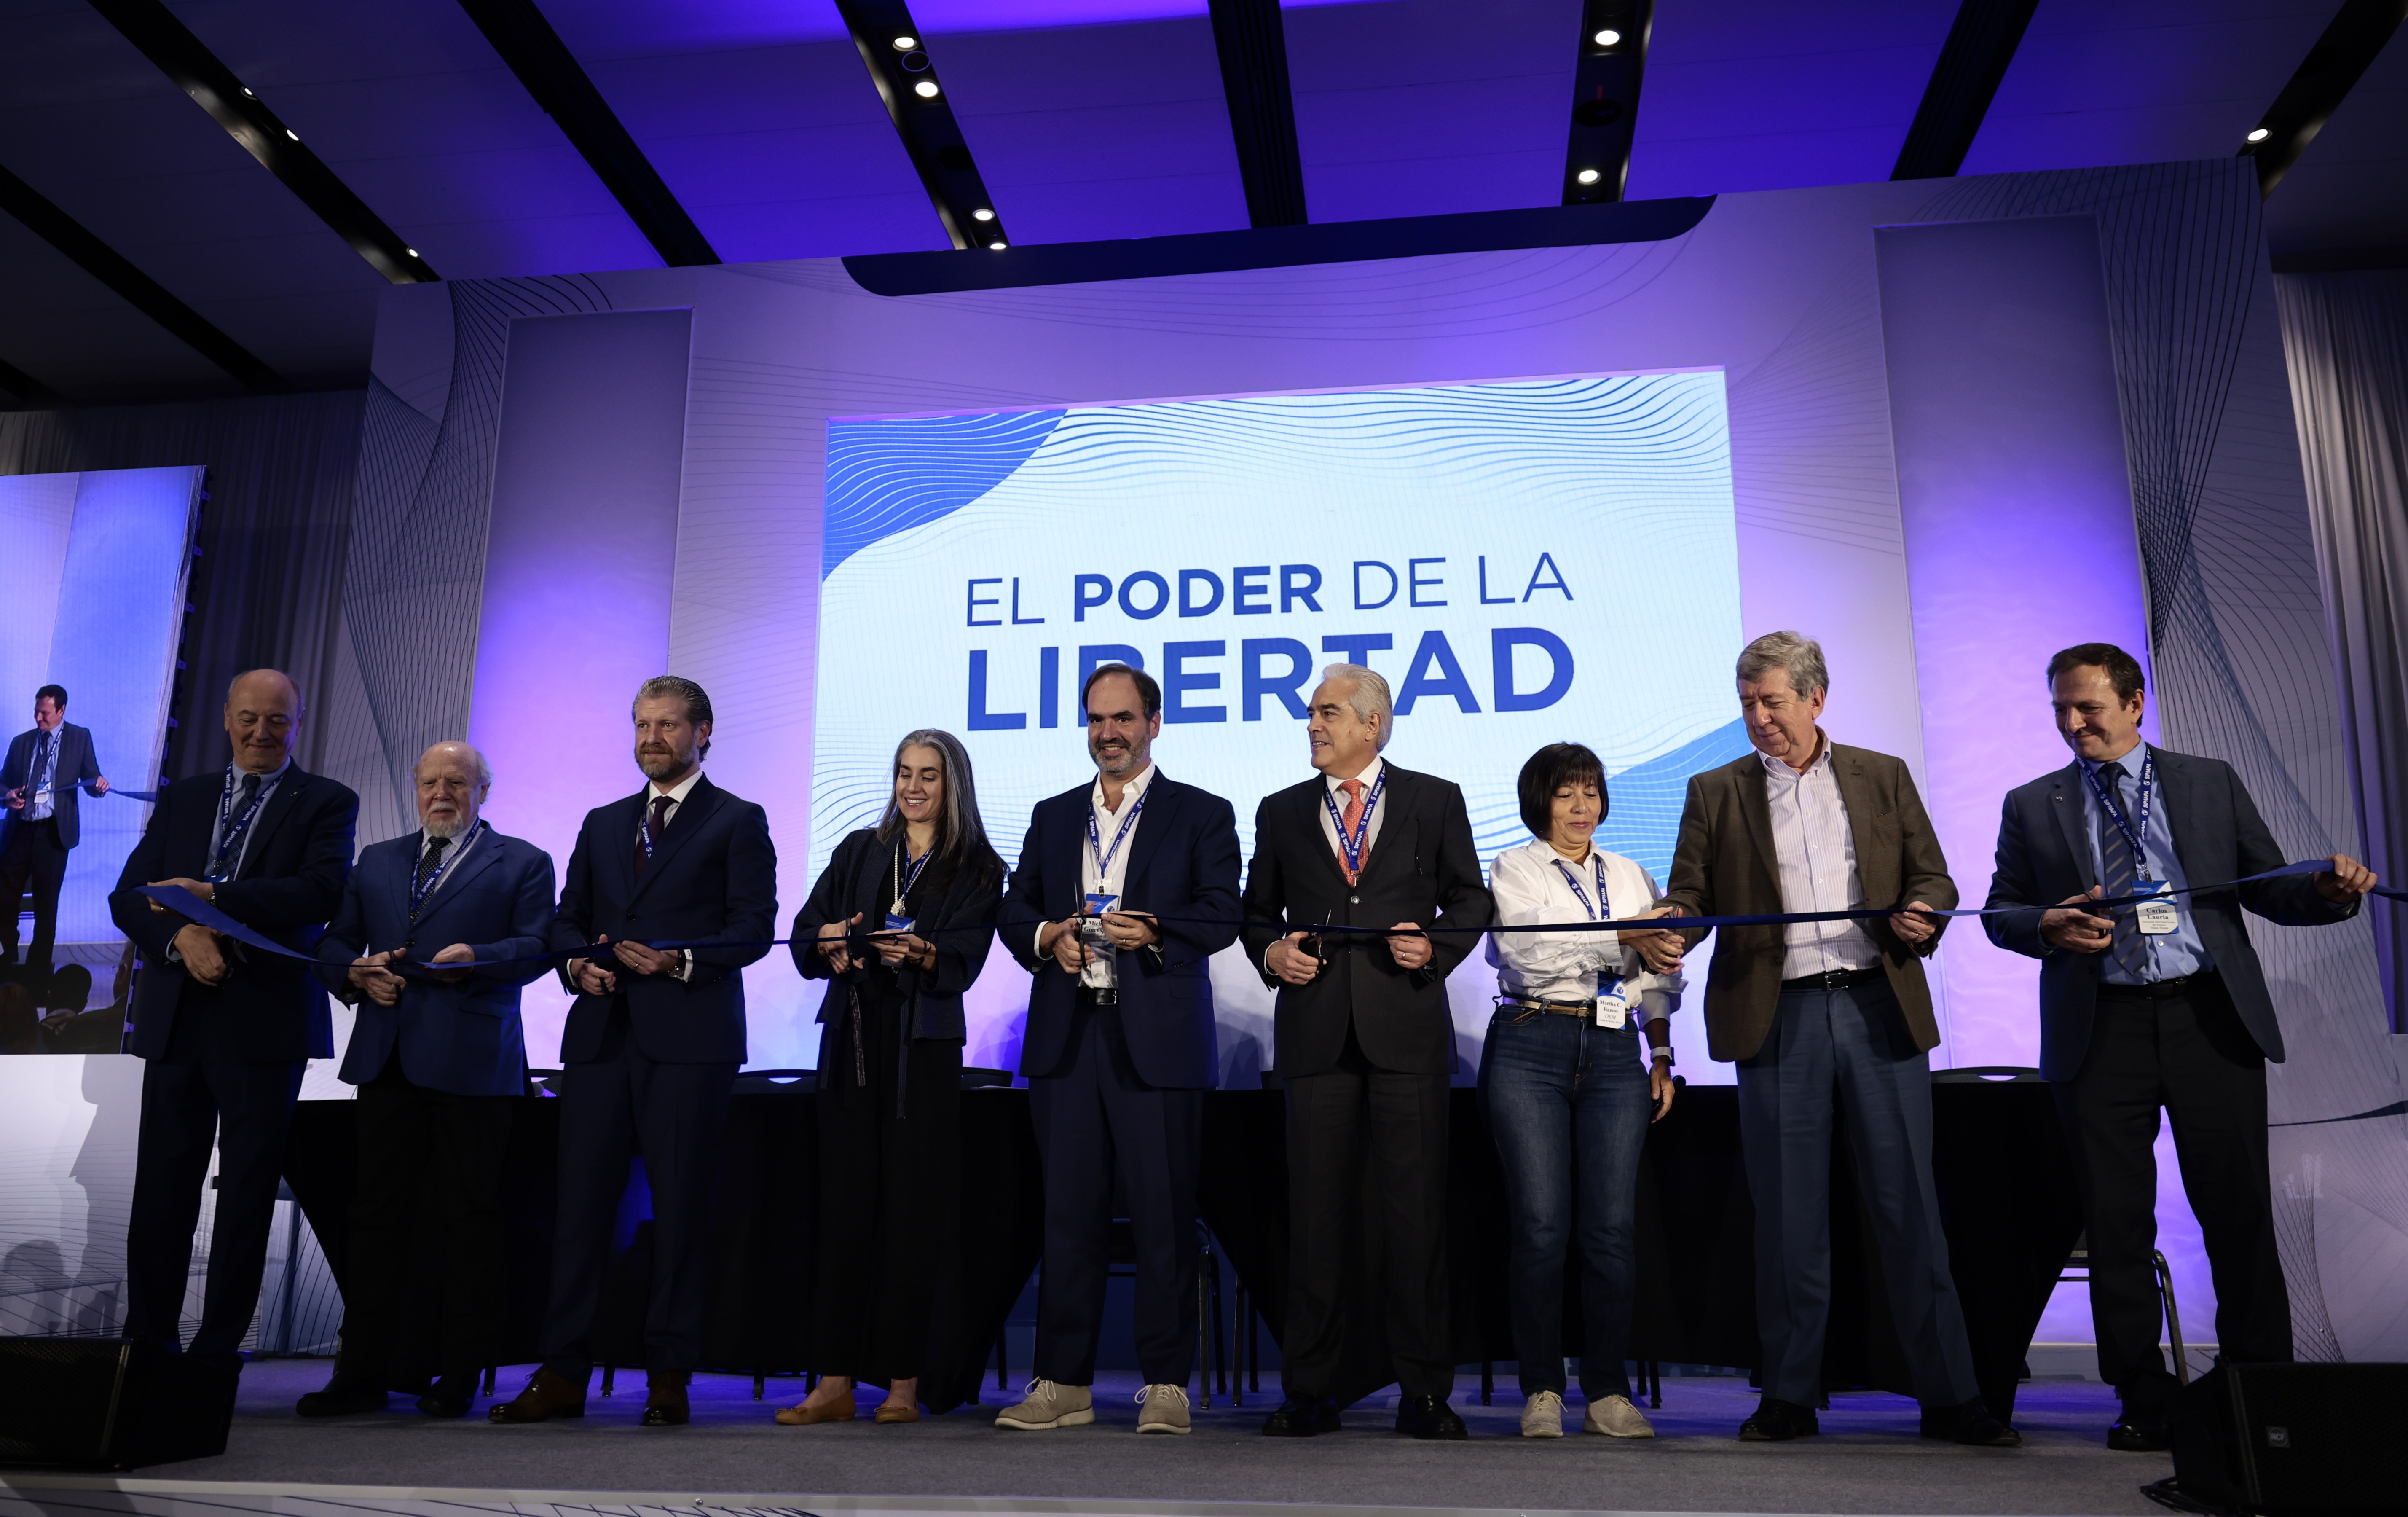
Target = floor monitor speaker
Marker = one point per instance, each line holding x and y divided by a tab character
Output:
102	1404
2317	1440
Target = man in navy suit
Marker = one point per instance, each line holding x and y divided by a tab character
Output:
652	1043
437	1056
226	1029
45	768
1119	1048
2156	1004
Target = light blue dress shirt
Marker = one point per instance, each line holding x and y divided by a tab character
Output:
2173	954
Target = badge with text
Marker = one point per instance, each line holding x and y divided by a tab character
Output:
899	923
2155	917
1612	1003
1099	902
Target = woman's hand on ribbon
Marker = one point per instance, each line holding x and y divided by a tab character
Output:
1913	928
203	956
371	978
896	947
2077	931
1661	949
1288	959
831	944
2345	881
1409	945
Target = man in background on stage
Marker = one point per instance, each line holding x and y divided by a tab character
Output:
437	1056
653	1042
1823	1017
1119	1048
45	768
2158	1003
1366	1043
226	1029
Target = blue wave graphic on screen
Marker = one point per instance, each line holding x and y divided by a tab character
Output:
1643	821
885	477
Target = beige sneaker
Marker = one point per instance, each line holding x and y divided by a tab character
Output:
1615	1417
1166	1409
1048	1405
1542	1415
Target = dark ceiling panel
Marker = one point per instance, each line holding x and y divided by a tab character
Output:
80	338
1980	44
1251	44
2341	206
1612	46
2323	80
901	61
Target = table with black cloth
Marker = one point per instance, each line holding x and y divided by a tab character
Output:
2005	1185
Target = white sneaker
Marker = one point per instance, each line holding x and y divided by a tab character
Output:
1542	1415
1615	1417
1166	1409
1048	1405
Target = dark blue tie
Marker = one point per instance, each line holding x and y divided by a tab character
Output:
2122	871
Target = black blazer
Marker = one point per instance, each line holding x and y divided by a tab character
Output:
79	769
858	880
2045	857
1182	863
290	883
462	1038
713	874
1423	868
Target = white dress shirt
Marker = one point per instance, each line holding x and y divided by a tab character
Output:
677	794
1379	813
455	851
1817	857
1103	963
1564	966
228	815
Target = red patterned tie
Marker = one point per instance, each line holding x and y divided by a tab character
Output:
1348	824
661	804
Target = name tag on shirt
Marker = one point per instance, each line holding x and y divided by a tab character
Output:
1099	902
1613	1004
2157	917
895	923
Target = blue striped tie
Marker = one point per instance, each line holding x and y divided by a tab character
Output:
2122	870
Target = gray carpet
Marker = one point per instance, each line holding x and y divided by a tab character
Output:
1867	1460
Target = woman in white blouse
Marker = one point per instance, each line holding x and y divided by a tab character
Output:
1563	1074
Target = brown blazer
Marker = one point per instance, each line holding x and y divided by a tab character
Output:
1724	866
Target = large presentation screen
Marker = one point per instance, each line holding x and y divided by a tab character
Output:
1524	560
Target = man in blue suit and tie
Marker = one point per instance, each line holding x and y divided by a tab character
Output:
652	1043
438	1057
1119	1048
44	769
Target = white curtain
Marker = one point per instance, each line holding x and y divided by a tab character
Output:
2345	337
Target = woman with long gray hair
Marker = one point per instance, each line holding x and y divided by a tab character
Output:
899	924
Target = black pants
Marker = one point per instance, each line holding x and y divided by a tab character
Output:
428	1159
890	1179
2189	1053
1097	1121
202	1094
34	855
677	1112
1351	1128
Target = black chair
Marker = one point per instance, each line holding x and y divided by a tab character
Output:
2079	1259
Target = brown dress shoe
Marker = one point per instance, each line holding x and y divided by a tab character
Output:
839	1408
665	1404
889	1411
547	1395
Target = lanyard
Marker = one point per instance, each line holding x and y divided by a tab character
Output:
232	829
904	883
1353	848
1572	879
2135	828
1095	849
644	821
420	892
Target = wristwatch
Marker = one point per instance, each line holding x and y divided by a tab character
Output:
1660	1055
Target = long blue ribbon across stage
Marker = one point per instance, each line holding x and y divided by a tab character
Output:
183	903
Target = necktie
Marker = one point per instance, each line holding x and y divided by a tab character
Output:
1351	819
46	774
661	804
230	846
2122	869
431	862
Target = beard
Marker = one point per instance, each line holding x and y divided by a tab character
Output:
660	765
447	824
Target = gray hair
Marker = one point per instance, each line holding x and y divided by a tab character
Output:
1795	654
1368	694
961	832
670	686
485	770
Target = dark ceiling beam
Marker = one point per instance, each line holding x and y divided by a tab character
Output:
896	54
26	388
551	74
145	293
2323	80
150	26
1252	44
1605	98
1980	44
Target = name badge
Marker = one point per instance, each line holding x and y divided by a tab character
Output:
896	924
1099	902
1613	1005
2157	917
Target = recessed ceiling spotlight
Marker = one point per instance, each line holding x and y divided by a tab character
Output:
926	88
1607	37
247	95
412	251
981	214
1587	176
996	246
2259	136
905	44
295	135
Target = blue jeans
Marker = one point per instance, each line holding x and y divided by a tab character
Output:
1567	1104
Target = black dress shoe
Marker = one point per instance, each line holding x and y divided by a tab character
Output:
1301	1416
1970	1423
2129	1436
1428	1418
451	1397
341	1399
1777	1422
665	1404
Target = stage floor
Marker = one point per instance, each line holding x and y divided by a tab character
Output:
1867	1460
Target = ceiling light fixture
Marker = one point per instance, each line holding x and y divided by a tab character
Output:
1587	176
295	135
996	246
2260	134
1609	37
412	251
926	88
981	214
247	95
905	44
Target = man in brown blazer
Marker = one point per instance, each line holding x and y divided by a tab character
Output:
1821	1017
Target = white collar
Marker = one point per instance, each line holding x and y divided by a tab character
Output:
270	778
1131	790
677	793
1366	777
1780	769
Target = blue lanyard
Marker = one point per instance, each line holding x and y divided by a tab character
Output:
2135	828
1095	849
1354	847
644	821
1572	879
231	832
421	891
903	882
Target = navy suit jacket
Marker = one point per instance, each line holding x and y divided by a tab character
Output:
289	885
1182	863
462	1037
78	769
713	874
2045	857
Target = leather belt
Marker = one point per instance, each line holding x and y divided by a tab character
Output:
1554	1009
1833	979
2157	990
1099	995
